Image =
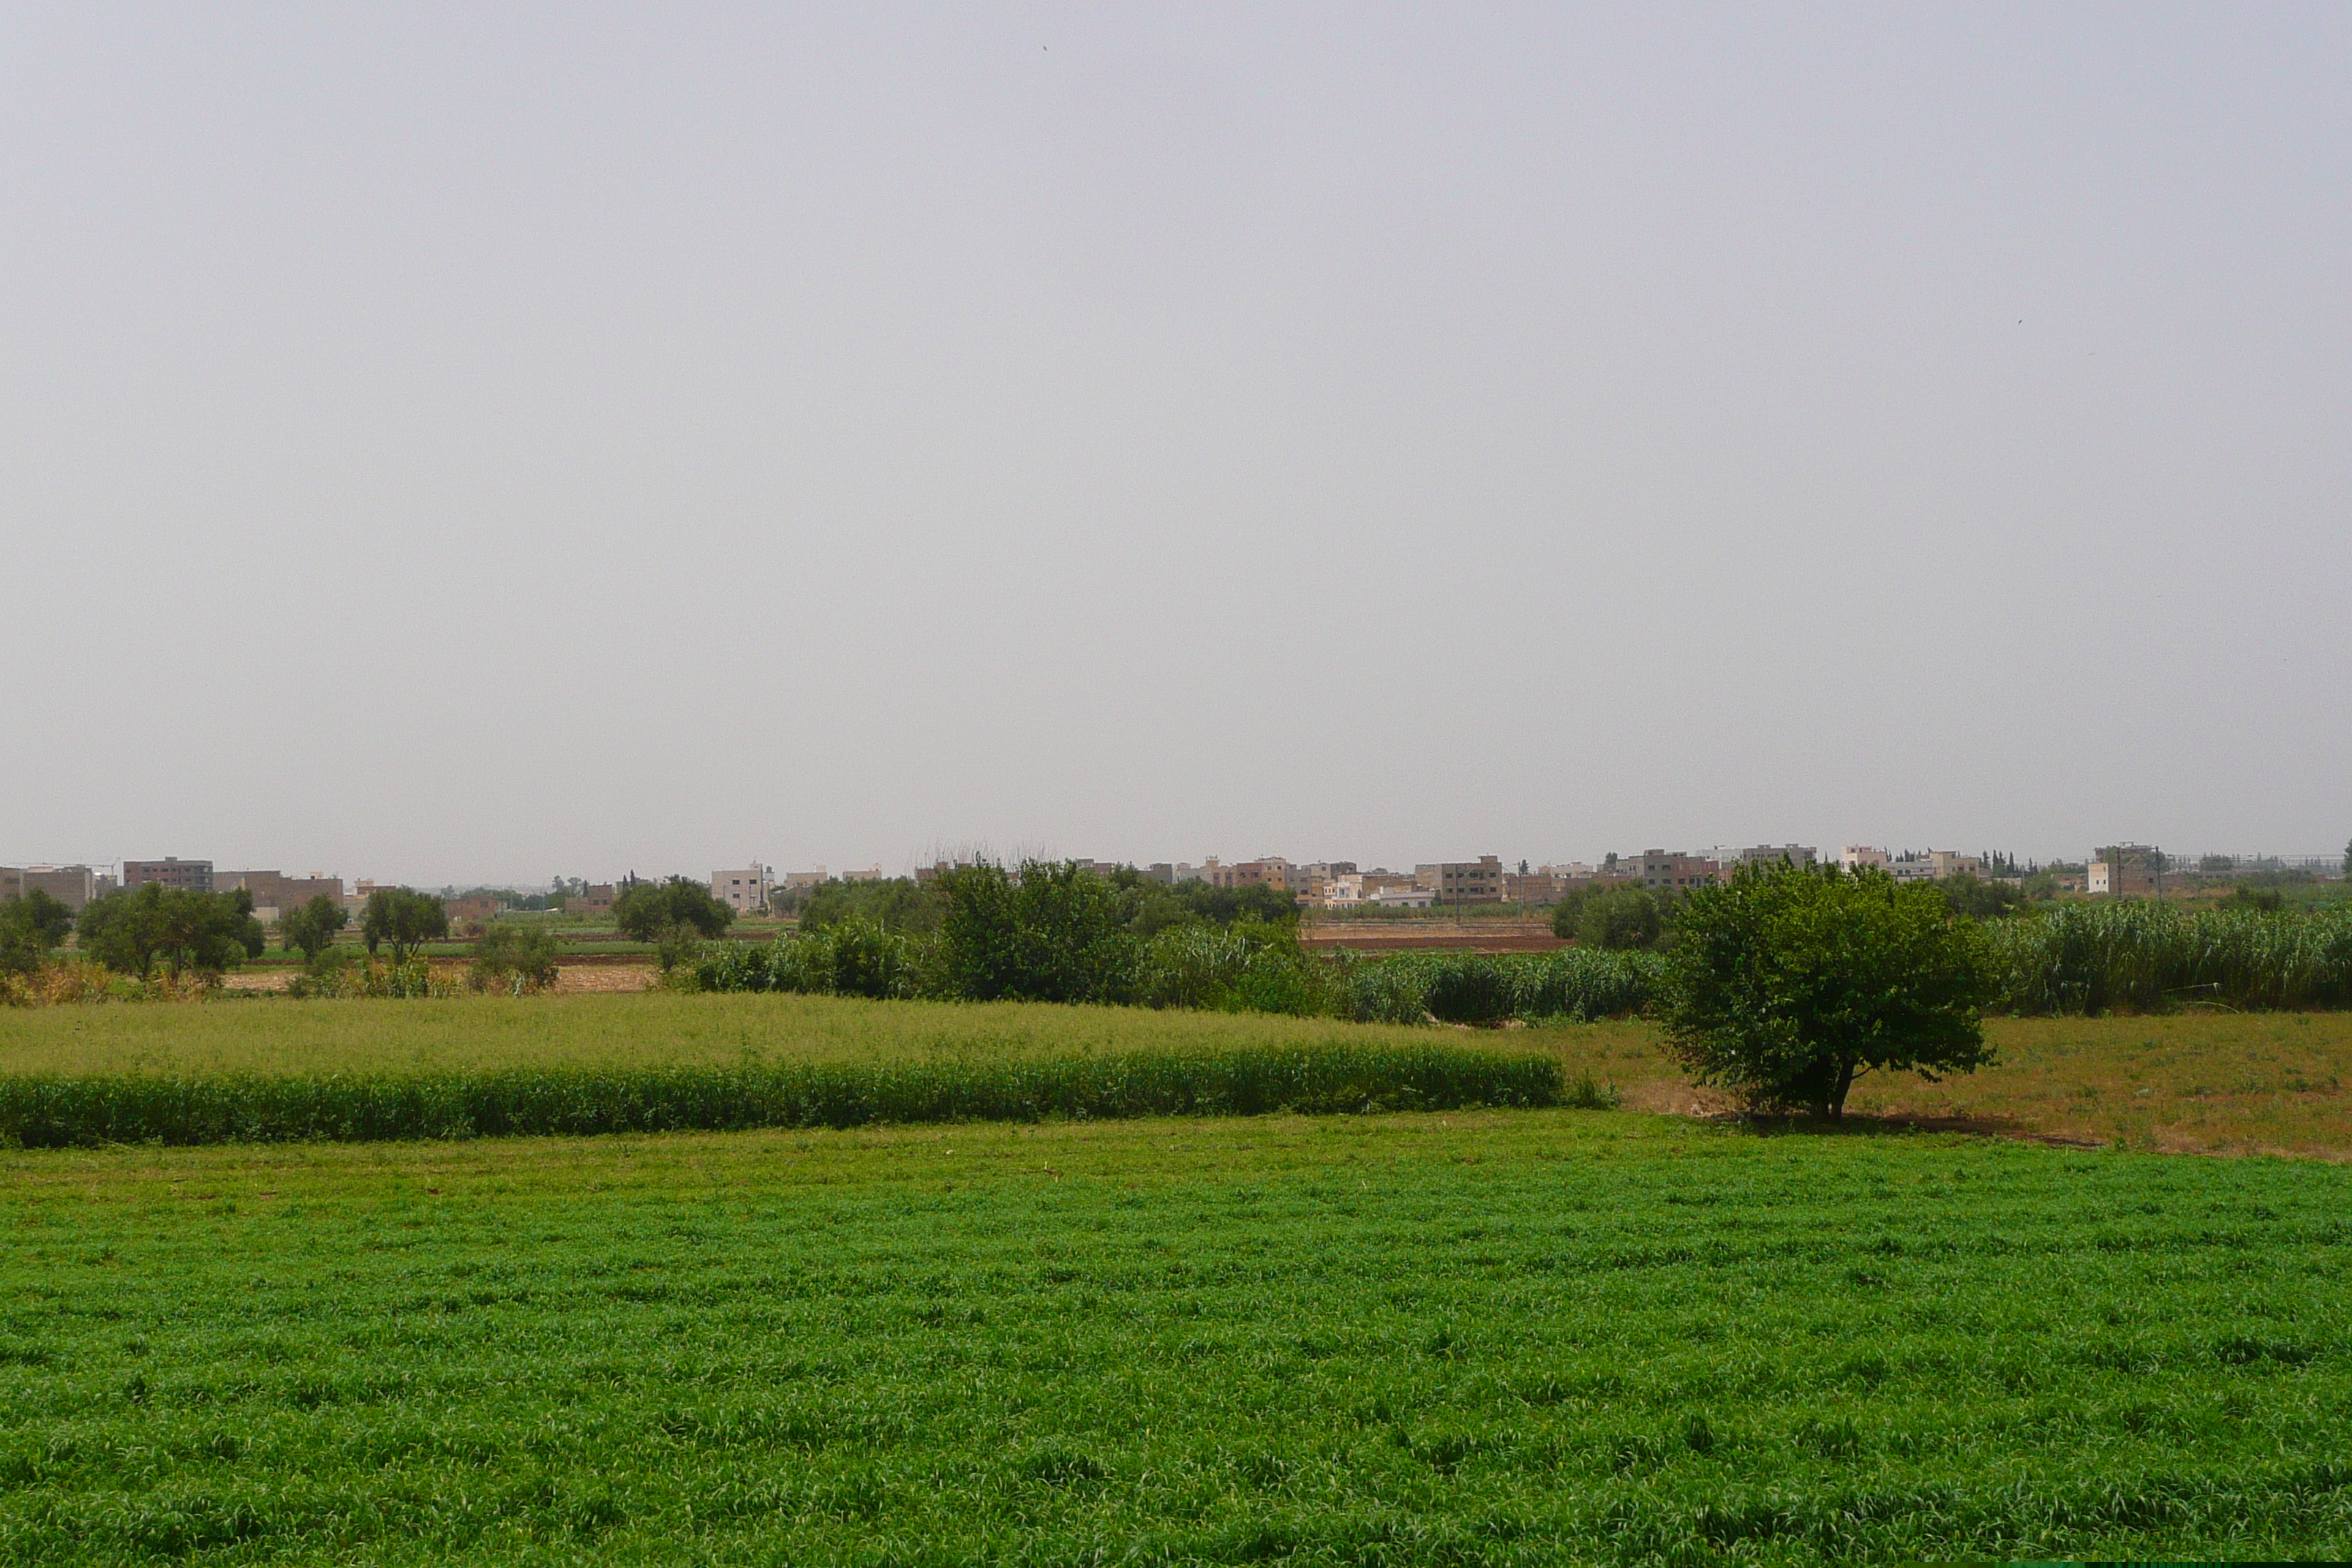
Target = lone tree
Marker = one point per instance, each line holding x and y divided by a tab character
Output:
1789	982
313	926
406	918
671	914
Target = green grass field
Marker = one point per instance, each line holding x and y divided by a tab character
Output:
1503	1337
1483	1336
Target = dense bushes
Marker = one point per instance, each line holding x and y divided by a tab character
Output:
856	957
57	1111
2073	957
2144	956
1249	966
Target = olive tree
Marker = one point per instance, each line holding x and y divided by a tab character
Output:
1789	982
311	927
403	919
672	914
131	931
29	928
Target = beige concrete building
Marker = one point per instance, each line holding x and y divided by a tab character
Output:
274	892
1773	853
597	900
1534	888
195	876
744	892
73	886
1665	870
1478	881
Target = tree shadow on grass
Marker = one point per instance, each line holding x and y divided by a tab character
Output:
1867	1124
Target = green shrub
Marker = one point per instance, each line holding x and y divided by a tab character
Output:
1470	988
514	955
1192	966
1046	932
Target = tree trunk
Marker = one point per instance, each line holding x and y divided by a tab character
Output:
1837	1096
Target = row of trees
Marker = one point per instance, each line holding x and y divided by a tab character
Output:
136	932
1784	985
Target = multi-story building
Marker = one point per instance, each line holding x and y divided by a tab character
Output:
73	886
192	876
2124	871
274	892
1855	857
802	882
470	911
1769	855
596	900
1669	871
1534	887
744	891
1952	863
1478	881
1312	882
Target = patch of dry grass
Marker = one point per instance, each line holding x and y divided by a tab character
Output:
2203	1082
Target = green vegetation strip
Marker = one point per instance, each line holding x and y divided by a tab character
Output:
48	1110
1469	1339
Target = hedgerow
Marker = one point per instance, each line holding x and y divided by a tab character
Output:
55	1110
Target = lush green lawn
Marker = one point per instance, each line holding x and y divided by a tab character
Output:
1505	1337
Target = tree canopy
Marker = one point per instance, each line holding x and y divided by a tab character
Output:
672	913
521	953
1615	918
29	927
1789	982
402	919
311	927
1048	932
131	931
893	903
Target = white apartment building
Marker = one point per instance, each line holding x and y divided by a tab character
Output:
1855	857
744	891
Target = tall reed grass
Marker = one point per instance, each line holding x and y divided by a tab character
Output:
1574	984
55	1110
2144	956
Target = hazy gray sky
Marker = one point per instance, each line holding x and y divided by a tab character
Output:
490	441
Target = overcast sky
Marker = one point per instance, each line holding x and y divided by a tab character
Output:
486	442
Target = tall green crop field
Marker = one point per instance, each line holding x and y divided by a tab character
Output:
1501	1337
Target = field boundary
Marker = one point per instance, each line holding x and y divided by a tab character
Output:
52	1112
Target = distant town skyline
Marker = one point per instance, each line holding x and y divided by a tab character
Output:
1829	848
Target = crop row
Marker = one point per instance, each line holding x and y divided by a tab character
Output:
46	1110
